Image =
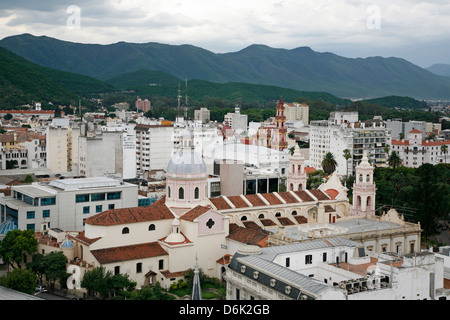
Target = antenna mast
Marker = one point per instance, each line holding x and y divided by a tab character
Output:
186	106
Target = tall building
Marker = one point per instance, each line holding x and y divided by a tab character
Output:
62	146
202	114
297	111
343	131
236	120
143	105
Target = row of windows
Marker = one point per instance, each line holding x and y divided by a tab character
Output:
32	214
126	230
98	208
139	267
98	196
181	192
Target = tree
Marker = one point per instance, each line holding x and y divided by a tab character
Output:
347	155
15	245
37	265
329	164
444	149
98	280
55	267
394	160
22	280
8	116
28	179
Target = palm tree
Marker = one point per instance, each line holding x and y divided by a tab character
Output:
347	155
444	149
394	160
329	164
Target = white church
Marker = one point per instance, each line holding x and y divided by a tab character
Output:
160	242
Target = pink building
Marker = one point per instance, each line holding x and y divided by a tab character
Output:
143	105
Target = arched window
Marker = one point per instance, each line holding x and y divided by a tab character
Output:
299	168
294	213
277	214
125	230
196	193
360	178
181	193
300	187
291	187
168	192
151	227
293	168
368	178
244	218
261	216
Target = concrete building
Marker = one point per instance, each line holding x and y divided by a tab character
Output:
415	150
154	147
397	127
333	269
202	115
22	150
297	111
143	105
343	131
62	146
65	203
237	121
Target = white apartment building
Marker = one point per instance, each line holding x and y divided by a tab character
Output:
62	146
65	203
343	131
203	114
297	111
236	120
333	269
154	146
22	150
415	151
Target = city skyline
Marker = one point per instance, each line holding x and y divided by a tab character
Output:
413	30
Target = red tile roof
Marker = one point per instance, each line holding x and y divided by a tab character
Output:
332	193
310	169
194	213
285	221
248	236
400	142
319	194
251	225
133	252
301	219
267	222
82	238
220	203
304	196
288	197
255	200
225	259
155	211
168	274
415	131
238	202
271	198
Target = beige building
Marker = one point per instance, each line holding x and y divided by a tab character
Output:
297	111
62	146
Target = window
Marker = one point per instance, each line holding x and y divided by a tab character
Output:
139	267
117	270
111	206
48	201
151	227
45	213
288	262
86	209
97	197
168	192
181	193
30	226
113	195
308	259
98	208
196	193
82	198
125	230
161	264
30	214
324	257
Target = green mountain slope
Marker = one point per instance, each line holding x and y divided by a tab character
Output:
300	69
22	82
157	83
440	69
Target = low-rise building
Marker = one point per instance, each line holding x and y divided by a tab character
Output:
65	203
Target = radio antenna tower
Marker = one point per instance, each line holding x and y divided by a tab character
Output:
179	98
186	106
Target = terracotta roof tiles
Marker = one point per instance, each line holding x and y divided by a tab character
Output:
133	252
155	211
237	201
288	197
220	203
303	195
319	194
255	200
194	213
271	198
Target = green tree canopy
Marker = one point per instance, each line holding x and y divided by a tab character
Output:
15	245
329	164
23	280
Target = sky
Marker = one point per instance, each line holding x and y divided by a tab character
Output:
415	30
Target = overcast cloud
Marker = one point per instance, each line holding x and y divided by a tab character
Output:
412	29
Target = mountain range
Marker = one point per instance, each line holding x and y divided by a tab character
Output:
300	69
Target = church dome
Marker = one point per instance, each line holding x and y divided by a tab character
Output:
7	225
186	162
